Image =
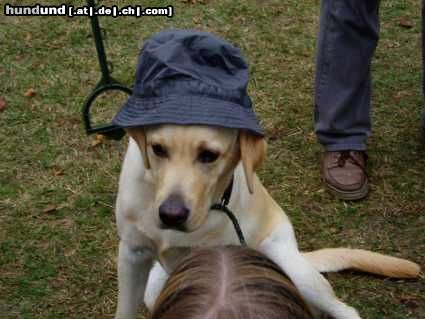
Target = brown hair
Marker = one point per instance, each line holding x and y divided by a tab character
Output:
229	282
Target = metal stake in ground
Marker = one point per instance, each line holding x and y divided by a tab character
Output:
106	83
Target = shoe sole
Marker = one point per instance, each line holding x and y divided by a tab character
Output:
349	195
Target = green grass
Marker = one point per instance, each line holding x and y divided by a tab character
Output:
60	263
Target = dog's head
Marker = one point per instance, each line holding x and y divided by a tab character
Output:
191	167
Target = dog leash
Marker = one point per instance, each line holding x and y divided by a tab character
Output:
223	207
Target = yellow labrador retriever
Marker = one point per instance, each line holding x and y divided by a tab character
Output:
170	178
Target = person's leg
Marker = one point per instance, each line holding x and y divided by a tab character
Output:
348	35
349	32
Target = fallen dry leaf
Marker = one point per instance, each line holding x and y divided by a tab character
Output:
50	209
57	171
404	22
30	92
399	95
3	104
100	139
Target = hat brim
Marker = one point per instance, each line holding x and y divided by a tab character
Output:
186	110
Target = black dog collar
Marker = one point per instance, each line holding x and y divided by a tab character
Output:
223	207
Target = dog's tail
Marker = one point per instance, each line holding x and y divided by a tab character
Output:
337	259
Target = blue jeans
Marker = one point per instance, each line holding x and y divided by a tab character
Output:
349	33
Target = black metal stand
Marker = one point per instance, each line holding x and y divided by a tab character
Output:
106	83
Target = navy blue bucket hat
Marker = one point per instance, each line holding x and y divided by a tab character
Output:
189	77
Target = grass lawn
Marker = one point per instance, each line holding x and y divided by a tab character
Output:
58	241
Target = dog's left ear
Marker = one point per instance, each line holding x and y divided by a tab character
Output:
138	134
253	152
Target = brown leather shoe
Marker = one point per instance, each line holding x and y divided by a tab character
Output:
344	173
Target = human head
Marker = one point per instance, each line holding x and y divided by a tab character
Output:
229	282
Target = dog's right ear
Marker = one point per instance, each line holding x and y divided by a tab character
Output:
138	134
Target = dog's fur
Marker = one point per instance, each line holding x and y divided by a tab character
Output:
147	180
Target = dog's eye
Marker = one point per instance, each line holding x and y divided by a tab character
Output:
159	150
206	156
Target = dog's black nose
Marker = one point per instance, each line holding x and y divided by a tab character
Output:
173	212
